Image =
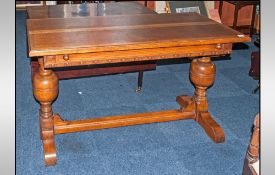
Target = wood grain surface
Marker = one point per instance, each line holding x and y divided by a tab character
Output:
125	32
92	9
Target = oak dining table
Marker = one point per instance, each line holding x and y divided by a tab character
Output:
99	40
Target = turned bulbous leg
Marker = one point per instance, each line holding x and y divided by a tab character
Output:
202	75
45	90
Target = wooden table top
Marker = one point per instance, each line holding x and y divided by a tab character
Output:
54	36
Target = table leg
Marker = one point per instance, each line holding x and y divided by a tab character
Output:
45	89
202	75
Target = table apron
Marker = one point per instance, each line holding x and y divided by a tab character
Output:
81	59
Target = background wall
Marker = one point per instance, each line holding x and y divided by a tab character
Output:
50	2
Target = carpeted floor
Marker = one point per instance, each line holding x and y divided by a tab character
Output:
179	147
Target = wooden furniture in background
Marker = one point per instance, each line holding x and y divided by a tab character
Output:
91	9
251	163
238	14
79	2
187	7
148	4
69	42
257	23
202	7
254	71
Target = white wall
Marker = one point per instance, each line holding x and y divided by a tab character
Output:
160	6
50	2
210	4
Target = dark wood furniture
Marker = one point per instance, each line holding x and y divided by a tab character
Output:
69	42
78	2
238	5
145	3
92	9
254	70
253	151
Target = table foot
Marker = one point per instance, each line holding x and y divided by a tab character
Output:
202	74
138	89
212	129
49	152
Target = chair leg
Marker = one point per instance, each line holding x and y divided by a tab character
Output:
140	78
256	89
